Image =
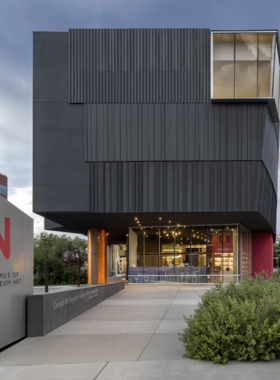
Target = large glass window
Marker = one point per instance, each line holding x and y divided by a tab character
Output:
183	261
245	65
189	254
230	253
245	252
215	253
199	253
136	254
151	268
167	254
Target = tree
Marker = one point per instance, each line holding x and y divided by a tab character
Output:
277	250
56	249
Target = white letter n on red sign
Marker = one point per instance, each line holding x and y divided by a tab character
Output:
5	246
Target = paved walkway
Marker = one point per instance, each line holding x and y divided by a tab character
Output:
130	336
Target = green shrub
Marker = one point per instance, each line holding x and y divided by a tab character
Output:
276	275
236	322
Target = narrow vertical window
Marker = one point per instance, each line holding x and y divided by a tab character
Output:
223	65
246	65
276	78
264	64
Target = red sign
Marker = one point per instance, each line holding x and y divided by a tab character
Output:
5	246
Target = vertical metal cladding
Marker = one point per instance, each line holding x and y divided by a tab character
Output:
267	198
181	132
183	187
270	148
154	141
139	65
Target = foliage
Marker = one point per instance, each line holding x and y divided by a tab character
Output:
236	321
73	258
277	250
276	276
59	251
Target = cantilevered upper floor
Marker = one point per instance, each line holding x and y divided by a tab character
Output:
176	121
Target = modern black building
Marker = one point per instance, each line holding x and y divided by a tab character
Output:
167	140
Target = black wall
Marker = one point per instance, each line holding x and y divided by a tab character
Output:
123	123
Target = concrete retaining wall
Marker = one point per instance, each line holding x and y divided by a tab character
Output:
46	312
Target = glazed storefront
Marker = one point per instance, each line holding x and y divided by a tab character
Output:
189	254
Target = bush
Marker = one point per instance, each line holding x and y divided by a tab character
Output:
236	321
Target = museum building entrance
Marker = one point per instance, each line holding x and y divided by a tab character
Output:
189	254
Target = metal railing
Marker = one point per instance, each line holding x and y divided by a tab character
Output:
187	278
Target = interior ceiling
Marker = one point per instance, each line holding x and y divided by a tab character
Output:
116	224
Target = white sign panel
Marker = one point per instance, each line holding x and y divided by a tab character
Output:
16	271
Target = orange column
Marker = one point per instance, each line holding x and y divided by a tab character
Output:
101	261
89	261
96	256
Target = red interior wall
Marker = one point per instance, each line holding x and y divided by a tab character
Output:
262	252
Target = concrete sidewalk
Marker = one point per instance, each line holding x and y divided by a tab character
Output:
132	335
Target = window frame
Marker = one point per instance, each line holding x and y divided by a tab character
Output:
271	101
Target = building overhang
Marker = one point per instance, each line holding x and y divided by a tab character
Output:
117	224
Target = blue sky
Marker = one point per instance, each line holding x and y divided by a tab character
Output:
19	18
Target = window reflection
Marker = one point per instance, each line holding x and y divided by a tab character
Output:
264	64
215	253
189	254
276	79
246	65
245	251
136	254
230	253
151	254
167	254
223	65
199	252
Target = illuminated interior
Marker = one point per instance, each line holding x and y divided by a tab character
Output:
189	253
245	65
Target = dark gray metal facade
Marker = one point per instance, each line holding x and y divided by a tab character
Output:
123	124
139	65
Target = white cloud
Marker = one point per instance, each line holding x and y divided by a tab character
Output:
22	199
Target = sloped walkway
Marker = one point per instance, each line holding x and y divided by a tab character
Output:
130	336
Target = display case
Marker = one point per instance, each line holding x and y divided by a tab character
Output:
224	263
